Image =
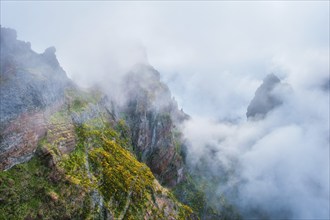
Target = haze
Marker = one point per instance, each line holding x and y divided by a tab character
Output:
213	55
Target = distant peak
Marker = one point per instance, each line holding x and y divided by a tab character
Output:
271	78
264	99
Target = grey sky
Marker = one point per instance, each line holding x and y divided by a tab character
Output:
212	45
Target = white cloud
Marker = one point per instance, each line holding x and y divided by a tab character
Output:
213	55
283	160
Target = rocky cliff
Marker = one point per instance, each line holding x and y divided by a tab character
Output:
153	116
32	86
265	98
67	153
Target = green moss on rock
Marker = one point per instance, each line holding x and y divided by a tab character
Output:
99	178
29	190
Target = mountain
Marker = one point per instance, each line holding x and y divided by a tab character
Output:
265	99
32	88
153	116
70	153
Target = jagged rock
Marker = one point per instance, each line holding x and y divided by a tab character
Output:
31	87
27	81
50	57
82	163
264	100
152	115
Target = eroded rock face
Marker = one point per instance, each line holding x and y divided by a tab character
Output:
31	86
28	80
20	137
264	100
152	115
40	106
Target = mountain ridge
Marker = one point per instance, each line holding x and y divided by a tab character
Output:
54	133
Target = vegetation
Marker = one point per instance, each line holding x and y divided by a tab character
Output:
198	192
33	190
80	99
99	177
192	194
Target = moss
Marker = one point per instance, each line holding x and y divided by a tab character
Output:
28	190
127	185
59	117
192	194
121	179
79	99
124	179
55	185
45	186
75	168
185	212
124	134
196	192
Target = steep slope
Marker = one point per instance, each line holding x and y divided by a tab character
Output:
29	81
100	174
153	115
32	86
66	153
154	120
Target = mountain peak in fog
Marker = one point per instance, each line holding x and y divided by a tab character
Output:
264	99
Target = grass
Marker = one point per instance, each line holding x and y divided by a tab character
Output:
53	185
28	190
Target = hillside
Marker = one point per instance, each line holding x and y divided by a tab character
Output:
69	153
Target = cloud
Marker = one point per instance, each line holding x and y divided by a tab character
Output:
283	159
213	55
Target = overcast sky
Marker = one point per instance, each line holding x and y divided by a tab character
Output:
213	53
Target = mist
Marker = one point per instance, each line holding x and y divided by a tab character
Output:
213	56
278	165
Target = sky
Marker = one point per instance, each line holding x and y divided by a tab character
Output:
213	55
222	49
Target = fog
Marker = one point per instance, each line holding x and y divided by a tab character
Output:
213	56
281	162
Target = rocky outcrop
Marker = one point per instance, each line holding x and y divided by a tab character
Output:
153	115
32	83
19	139
68	153
264	100
31	86
28	80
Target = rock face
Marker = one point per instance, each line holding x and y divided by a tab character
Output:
72	154
264	100
28	80
153	115
84	169
31	87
